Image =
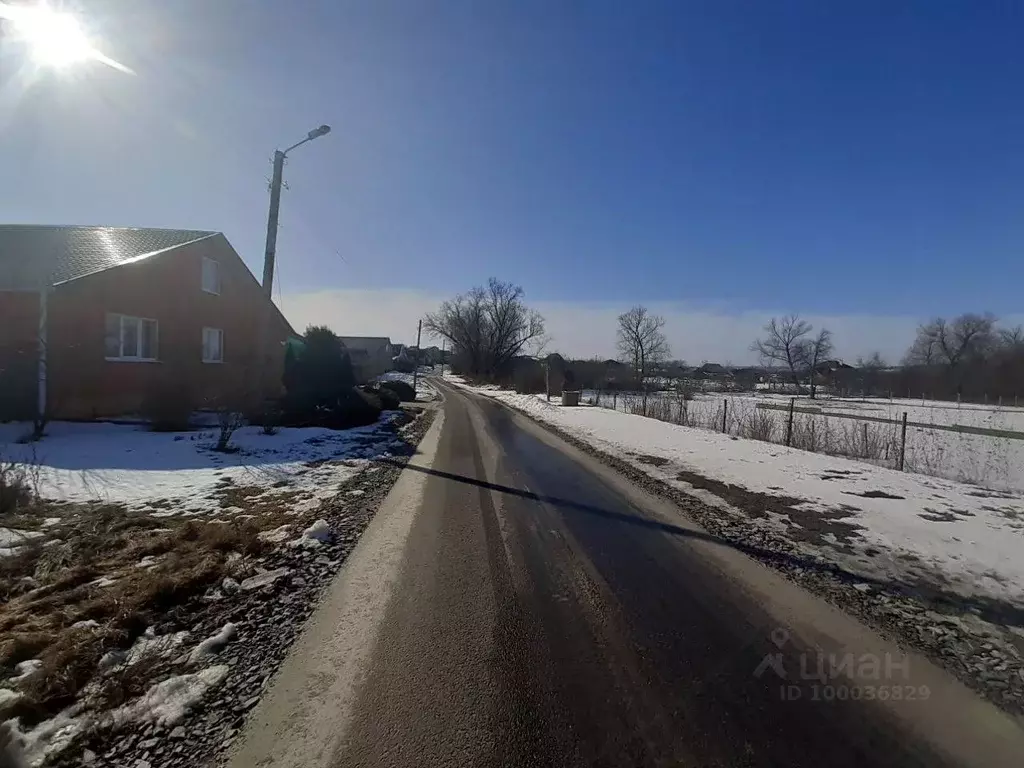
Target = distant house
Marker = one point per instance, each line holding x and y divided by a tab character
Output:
833	373
371	355
827	368
713	371
431	356
100	321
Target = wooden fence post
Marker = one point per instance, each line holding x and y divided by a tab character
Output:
903	442
725	410
615	401
865	430
789	422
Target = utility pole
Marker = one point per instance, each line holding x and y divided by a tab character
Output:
443	340
275	207
416	365
270	254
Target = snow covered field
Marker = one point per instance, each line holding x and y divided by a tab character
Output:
934	447
870	520
171	474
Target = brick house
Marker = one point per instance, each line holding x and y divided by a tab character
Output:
128	318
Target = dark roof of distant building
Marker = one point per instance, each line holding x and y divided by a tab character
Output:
34	256
713	368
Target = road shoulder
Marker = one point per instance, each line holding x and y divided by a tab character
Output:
303	716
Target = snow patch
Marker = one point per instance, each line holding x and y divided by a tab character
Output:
7	695
12	537
26	668
150	643
264	579
277	535
166	474
49	737
213	644
167	702
317	534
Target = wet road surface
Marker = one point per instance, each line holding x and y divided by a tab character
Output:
545	617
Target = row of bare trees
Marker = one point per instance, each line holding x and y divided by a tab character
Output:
969	357
487	329
490	328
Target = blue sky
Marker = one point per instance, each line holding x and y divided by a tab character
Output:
852	161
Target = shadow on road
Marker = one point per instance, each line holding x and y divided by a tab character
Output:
996	611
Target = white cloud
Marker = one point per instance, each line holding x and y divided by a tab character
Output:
586	330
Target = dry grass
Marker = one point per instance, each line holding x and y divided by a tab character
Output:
18	484
47	587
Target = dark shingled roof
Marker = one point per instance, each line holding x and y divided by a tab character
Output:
33	256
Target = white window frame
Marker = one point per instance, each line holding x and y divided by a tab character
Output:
124	320
220	346
216	289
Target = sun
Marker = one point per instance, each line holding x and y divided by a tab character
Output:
54	38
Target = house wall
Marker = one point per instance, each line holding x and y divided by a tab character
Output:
166	288
369	362
19	328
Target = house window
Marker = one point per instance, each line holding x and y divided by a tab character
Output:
213	345
211	276
130	338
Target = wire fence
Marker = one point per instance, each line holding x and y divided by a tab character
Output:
992	458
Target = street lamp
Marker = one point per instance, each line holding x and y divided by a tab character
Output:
275	206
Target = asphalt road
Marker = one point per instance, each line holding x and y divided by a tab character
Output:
547	615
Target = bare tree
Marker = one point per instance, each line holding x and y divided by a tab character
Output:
871	372
641	340
486	327
783	344
815	351
641	343
873	363
952	343
788	342
1012	338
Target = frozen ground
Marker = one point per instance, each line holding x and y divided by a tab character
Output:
179	473
871	520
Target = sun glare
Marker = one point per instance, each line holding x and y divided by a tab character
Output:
54	38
